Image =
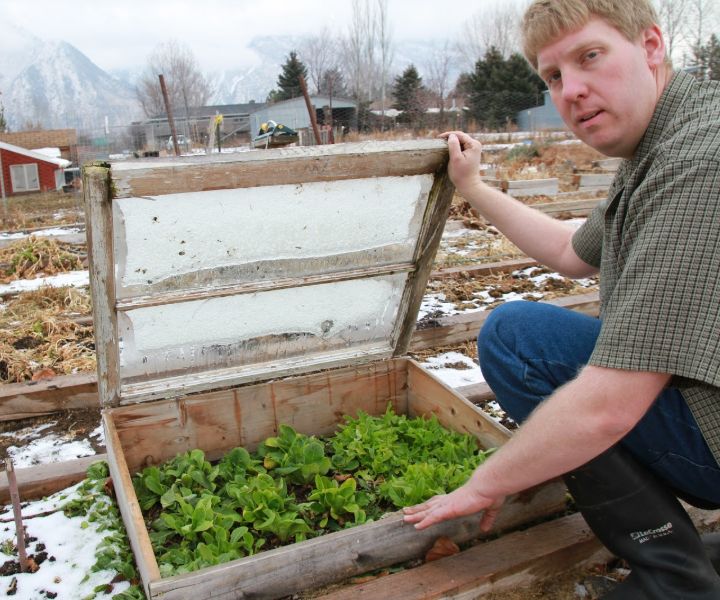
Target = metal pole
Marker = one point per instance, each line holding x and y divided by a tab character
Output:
310	109
168	110
17	513
2	190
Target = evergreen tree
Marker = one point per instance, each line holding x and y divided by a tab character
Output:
288	81
499	88
409	96
3	122
707	58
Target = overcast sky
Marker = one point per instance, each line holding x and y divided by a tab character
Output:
117	34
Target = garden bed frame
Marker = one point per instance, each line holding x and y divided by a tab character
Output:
241	395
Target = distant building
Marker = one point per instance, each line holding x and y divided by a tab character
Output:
242	121
195	126
23	171
294	113
64	139
540	117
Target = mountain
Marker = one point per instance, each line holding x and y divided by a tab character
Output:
55	85
243	84
58	86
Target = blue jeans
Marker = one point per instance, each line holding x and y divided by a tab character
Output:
528	349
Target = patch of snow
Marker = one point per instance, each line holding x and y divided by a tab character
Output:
454	377
49	232
29	433
99	433
72	541
48	449
73	278
433	303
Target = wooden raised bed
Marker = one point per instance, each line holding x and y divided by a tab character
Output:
235	294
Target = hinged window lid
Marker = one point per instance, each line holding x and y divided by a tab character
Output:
209	272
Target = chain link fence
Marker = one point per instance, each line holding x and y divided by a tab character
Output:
237	132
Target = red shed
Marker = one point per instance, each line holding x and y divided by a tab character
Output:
23	171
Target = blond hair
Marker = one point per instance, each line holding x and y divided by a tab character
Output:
546	20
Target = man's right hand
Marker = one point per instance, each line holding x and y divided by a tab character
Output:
464	165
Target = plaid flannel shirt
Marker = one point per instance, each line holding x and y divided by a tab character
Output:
656	240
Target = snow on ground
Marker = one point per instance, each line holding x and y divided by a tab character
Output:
42	449
70	543
72	278
49	232
454	369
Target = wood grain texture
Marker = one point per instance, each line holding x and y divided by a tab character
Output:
129	507
97	190
278	167
438	207
514	560
38	398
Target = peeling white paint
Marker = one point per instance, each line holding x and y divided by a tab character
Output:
161	237
175	336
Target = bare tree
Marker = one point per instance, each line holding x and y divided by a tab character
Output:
319	53
497	25
438	75
385	47
368	49
187	86
672	15
702	20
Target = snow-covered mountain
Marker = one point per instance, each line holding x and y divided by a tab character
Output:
60	87
243	84
55	85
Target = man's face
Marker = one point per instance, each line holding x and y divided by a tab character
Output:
605	86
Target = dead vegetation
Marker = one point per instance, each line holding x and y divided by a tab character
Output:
31	257
44	333
32	211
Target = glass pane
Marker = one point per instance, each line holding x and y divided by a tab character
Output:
225	237
265	328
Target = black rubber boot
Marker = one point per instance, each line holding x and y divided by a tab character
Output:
640	520
711	543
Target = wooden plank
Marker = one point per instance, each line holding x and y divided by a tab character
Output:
43	480
533	187
547	549
456	329
479	270
476	392
98	216
174	297
429	396
319	561
278	167
608	164
569	208
129	507
38	398
526	187
217	421
439	201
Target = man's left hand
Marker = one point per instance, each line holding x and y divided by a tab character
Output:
463	501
